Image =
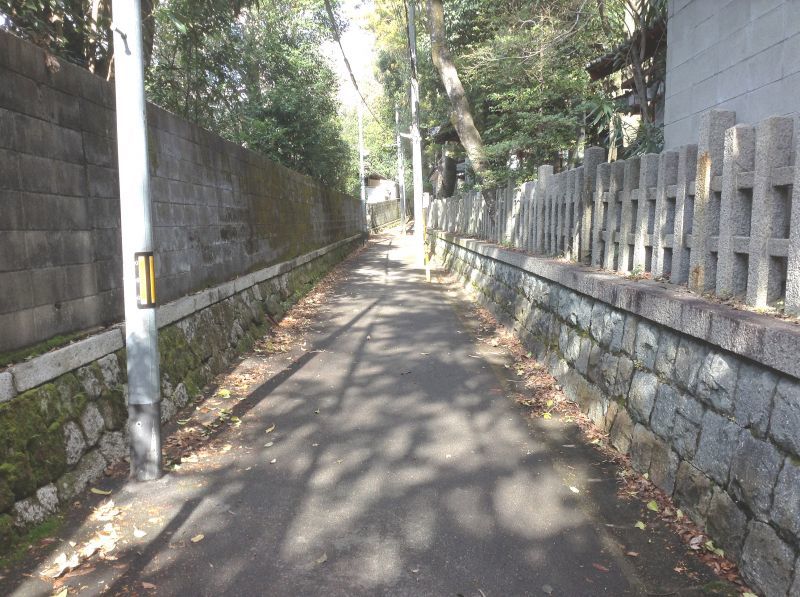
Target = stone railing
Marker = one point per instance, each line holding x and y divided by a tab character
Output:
717	215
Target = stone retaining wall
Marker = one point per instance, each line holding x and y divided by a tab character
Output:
67	423
712	417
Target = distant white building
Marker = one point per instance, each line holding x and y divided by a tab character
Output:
380	188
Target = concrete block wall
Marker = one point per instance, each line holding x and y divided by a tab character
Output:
703	398
721	216
63	414
219	210
735	55
383	213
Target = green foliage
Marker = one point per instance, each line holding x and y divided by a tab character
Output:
256	76
522	64
250	70
76	30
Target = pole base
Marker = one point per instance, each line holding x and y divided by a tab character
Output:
144	425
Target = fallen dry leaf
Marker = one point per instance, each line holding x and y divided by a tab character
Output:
61	565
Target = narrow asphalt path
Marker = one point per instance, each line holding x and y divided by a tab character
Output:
396	467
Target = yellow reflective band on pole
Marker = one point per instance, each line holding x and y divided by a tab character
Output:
145	280
153	279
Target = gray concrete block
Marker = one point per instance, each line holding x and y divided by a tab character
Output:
719	444
767	561
50	365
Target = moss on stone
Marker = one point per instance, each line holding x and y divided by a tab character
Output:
113	408
8	533
177	357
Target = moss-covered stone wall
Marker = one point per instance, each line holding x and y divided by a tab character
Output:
57	437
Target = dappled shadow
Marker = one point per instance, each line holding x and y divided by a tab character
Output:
399	468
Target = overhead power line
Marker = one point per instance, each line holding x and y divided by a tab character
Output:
337	37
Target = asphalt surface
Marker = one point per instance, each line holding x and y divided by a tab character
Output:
400	468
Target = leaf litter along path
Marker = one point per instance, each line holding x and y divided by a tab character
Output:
368	446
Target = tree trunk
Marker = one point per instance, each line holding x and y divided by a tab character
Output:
462	113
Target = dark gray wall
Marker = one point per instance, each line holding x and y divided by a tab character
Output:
219	210
736	55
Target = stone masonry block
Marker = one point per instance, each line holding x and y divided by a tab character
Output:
90	381
753	400
113	446
726	523
719	443
646	346
74	442
767	562
625	372
716	381
582	364
92	423
622	431
584	313
786	502
609	364
642	442
693	491
628	343
666	353
599	311
593	370
784	426
663	466
685	434
7	390
754	471
90	467
662	417
642	396
688	360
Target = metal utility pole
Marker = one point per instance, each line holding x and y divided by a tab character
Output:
401	169
361	166
416	139
138	261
